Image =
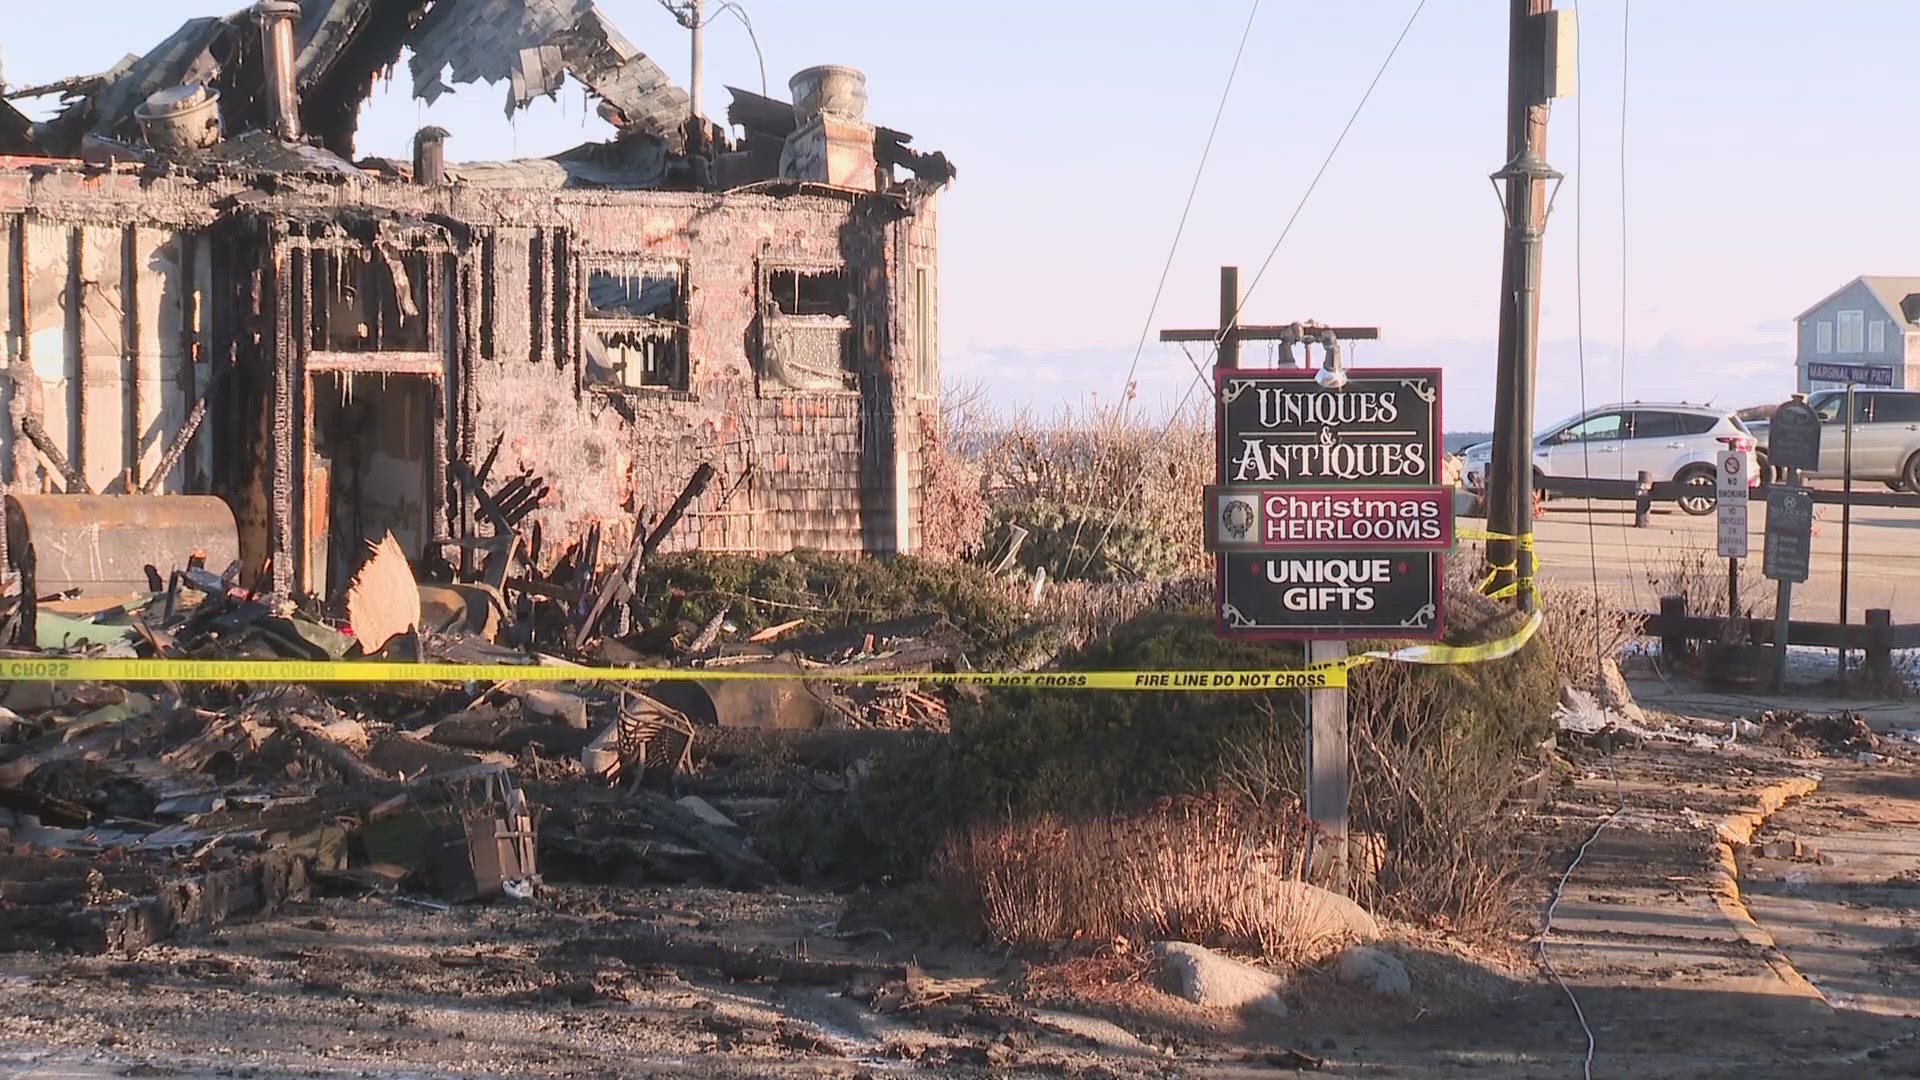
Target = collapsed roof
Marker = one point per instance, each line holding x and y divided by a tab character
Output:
340	47
343	45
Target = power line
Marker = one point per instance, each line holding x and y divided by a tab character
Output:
1580	340
741	14
1174	416
1335	149
1180	229
1593	554
1126	385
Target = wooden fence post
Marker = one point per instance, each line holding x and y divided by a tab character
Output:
1674	647
1879	641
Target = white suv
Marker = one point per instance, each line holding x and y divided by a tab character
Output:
1886	436
1618	442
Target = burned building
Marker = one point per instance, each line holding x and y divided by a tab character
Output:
203	291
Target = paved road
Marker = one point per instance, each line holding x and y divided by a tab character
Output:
1639	565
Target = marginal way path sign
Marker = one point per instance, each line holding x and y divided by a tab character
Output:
1787	555
1329	520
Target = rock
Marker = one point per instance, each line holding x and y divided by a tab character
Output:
1616	695
1323	921
1213	981
1102	1033
1371	969
556	705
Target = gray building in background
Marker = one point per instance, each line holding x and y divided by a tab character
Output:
1872	323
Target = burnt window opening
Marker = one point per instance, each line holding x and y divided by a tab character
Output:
371	301
563	272
810	292
487	273
807	336
634	328
638	294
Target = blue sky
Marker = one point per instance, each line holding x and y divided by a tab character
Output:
1766	159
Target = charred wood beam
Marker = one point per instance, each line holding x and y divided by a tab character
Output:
612	583
36	433
696	487
736	962
739	867
644	549
183	438
489	509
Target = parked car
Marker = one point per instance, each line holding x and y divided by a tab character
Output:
1675	441
1886	436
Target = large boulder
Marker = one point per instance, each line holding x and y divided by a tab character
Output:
1371	969
1321	921
1213	981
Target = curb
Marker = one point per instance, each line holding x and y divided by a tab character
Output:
1737	830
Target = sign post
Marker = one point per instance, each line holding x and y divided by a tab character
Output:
1327	519
1329	525
1730	501
1793	443
1846	529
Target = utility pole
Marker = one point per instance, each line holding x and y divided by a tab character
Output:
696	23
691	15
1539	44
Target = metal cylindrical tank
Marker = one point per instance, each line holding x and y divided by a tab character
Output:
180	118
829	88
102	544
783	703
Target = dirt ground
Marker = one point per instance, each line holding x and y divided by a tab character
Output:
624	981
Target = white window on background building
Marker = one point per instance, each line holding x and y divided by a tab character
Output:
1877	336
1823	338
1852	331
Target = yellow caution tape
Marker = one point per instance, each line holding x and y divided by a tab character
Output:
1323	676
1315	677
1462	654
1523	542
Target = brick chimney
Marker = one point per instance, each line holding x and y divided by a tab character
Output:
430	156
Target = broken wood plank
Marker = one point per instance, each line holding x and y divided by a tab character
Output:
709	633
383	601
316	740
769	633
739	867
613	583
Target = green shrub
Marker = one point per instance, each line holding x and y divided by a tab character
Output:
1034	751
833	591
1079	543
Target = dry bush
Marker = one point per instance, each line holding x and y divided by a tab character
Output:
1213	869
1102	469
1084	612
1700	577
1585	630
1438	802
953	509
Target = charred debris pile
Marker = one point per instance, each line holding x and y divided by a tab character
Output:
130	810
